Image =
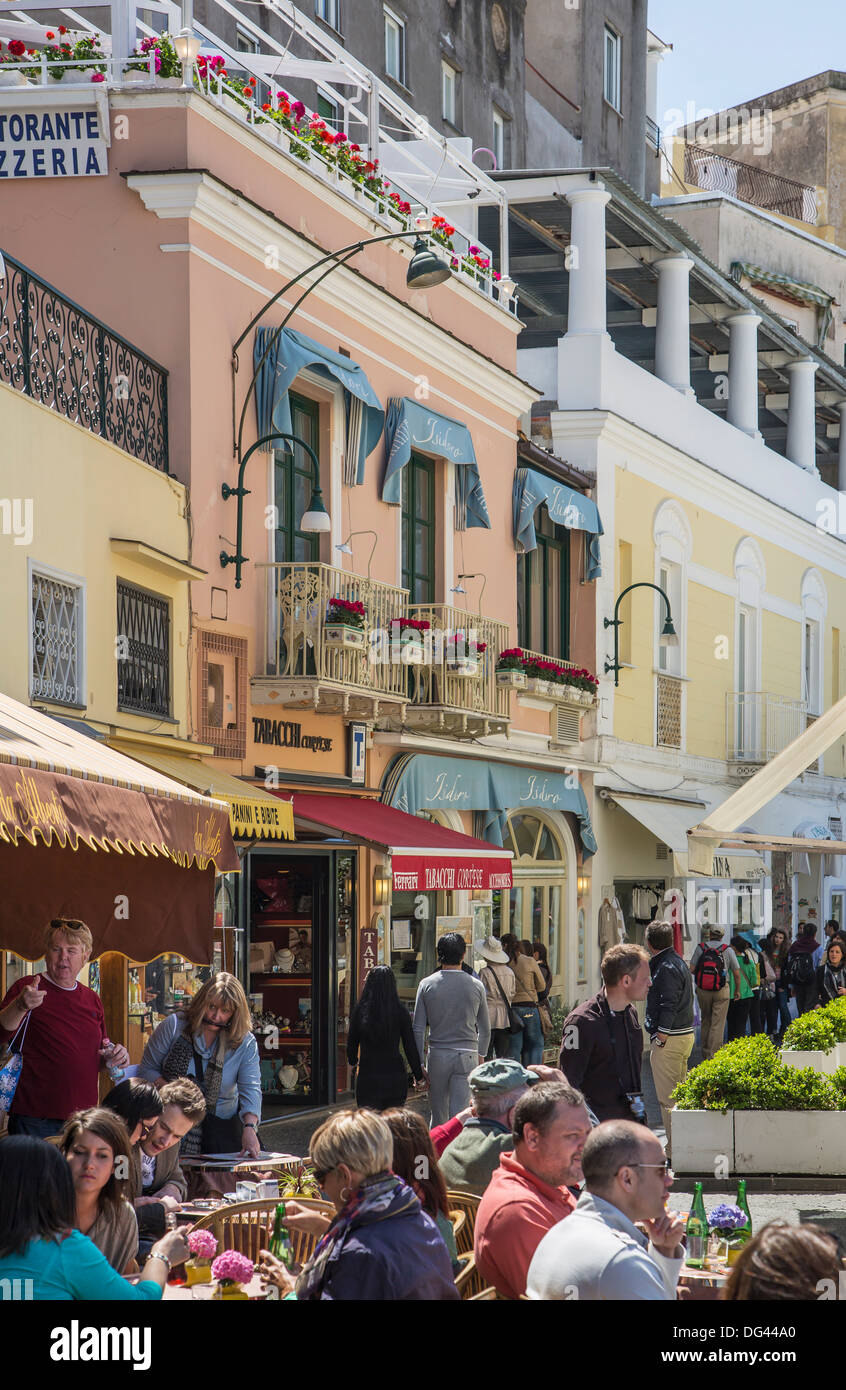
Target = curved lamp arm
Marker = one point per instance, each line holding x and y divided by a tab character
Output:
616	622
239	559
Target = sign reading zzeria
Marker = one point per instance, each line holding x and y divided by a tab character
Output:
47	143
417	873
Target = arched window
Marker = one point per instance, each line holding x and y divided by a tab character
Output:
535	908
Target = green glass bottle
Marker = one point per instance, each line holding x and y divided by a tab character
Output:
280	1241
696	1232
743	1233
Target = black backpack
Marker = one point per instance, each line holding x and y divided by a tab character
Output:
710	972
799	968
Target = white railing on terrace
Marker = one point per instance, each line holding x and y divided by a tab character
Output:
424	168
760	725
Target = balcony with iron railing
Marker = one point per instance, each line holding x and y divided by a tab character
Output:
313	662
566	702
412	171
759	725
55	352
705	169
455	691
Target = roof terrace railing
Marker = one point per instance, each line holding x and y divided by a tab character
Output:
771	192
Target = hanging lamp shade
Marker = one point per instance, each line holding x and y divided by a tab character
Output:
425	268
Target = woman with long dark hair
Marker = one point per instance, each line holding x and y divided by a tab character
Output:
775	947
39	1244
94	1142
411	1144
379	1024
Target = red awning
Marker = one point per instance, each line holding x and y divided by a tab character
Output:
424	857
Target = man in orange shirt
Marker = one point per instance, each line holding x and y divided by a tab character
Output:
528	1193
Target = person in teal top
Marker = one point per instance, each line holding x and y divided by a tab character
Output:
39	1247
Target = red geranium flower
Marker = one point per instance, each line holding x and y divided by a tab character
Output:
62	29
18	47
50	34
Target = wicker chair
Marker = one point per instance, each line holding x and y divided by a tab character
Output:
459	1221
248	1226
468	1203
484	1297
468	1280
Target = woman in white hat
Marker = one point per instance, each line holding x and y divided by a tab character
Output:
500	983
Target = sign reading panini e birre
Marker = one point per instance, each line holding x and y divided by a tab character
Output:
50	143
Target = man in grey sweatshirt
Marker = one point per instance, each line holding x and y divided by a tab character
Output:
454	1006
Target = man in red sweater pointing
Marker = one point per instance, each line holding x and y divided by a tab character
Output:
61	1035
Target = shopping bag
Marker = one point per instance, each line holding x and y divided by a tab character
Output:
10	1072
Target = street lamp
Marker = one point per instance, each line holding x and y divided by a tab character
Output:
669	636
187	47
346	549
459	588
425	269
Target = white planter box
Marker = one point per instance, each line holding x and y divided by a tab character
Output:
536	686
826	1062
465	667
698	1136
411	654
12	79
790	1141
339	635
513	680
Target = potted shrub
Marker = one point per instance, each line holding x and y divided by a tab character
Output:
411	640
510	669
230	1271
742	1104
810	1041
157	63
462	657
344	625
203	1247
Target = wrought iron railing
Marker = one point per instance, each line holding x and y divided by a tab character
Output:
760	725
297	643
143	651
772	192
653	134
63	357
443	681
669	712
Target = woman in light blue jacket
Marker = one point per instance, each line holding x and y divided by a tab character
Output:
211	1041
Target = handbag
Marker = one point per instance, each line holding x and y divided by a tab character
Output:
10	1072
515	1022
546	1020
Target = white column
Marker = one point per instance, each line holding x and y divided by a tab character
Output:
801	433
841	453
743	373
672	329
586	308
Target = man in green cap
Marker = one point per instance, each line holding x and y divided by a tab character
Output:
469	1162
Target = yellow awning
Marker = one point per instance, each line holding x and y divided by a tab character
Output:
253	812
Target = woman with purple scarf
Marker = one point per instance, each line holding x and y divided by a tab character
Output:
381	1246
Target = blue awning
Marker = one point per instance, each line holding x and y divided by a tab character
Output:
565	507
413	427
290	354
420	782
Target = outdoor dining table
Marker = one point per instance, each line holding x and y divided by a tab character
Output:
184	1293
702	1284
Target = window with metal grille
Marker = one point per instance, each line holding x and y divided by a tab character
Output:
56	639
223	693
143	651
668	733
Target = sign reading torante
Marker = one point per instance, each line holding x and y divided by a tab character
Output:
52	144
282	733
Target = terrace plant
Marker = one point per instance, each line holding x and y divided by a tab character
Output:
748	1074
512	659
77	55
345	612
810	1032
165	61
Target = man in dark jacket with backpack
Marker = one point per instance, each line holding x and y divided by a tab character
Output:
799	972
711	965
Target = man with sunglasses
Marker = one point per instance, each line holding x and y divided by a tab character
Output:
599	1253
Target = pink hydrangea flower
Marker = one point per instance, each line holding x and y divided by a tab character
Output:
202	1244
231	1265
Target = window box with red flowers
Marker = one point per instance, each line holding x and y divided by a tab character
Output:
82	60
510	669
462	657
344	626
540	675
413	647
580	686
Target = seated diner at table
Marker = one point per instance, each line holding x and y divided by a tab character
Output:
96	1145
39	1245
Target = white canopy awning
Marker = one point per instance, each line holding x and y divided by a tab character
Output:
669	821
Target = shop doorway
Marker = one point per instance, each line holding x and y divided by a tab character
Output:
535	909
290	968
